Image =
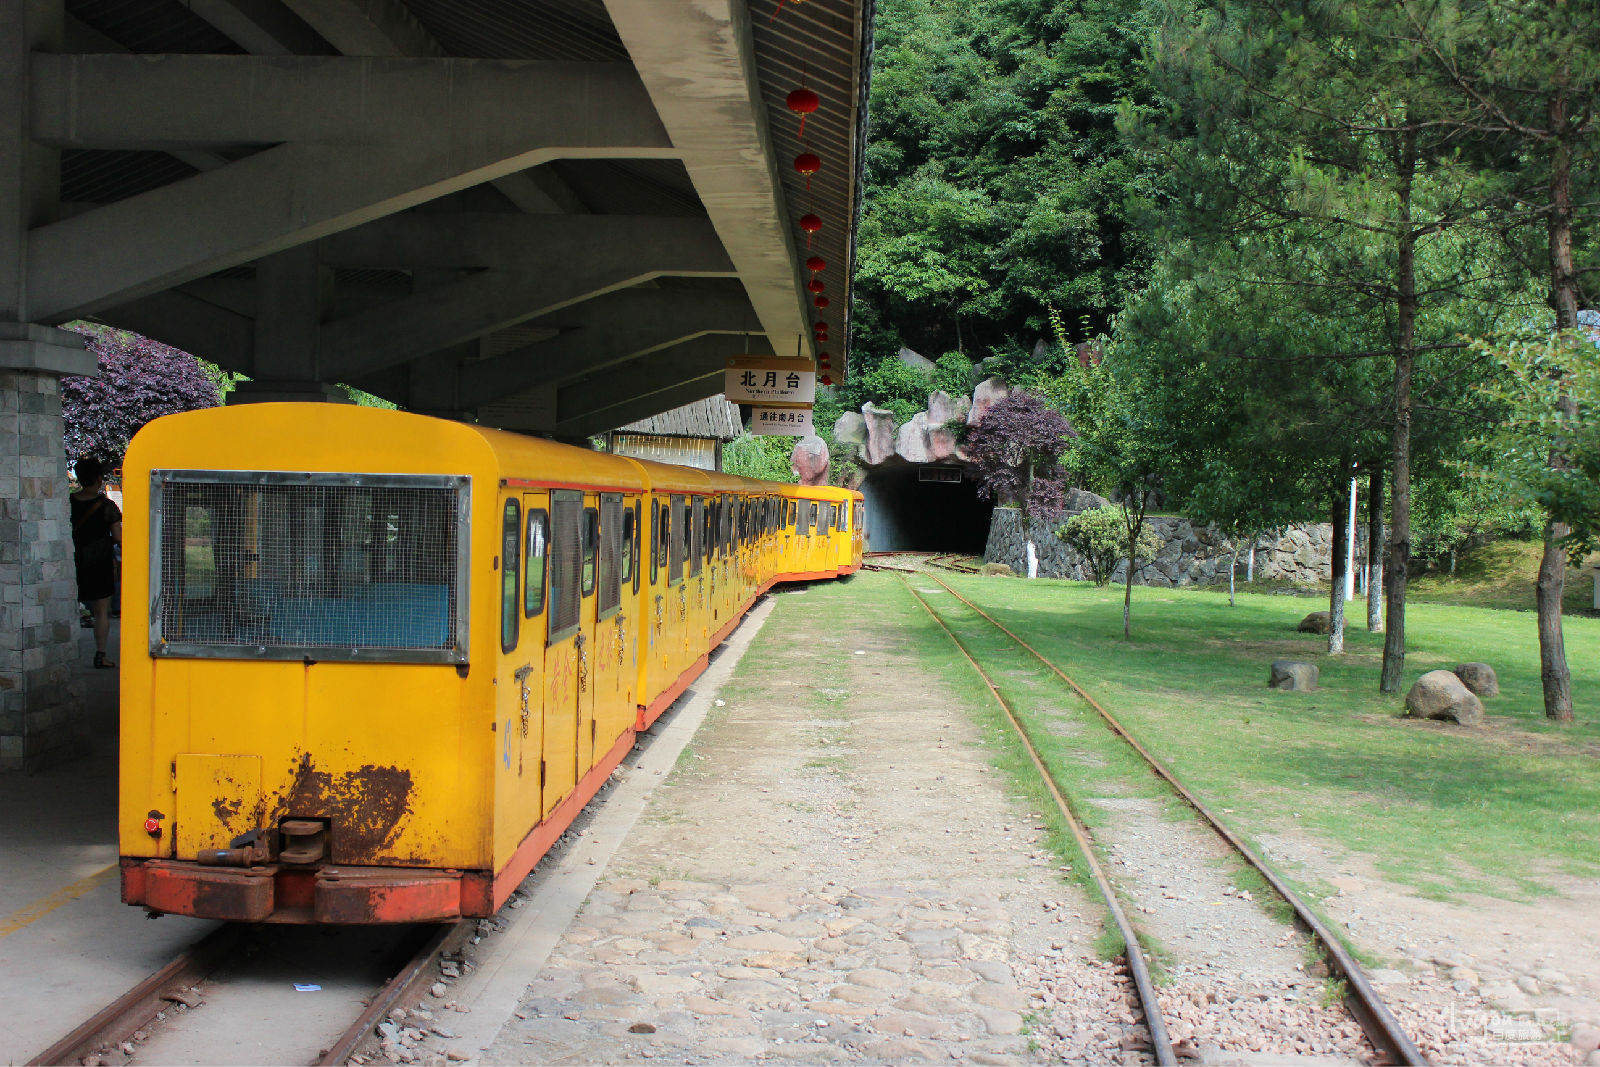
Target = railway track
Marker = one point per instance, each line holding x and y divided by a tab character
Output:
205	971
1383	1032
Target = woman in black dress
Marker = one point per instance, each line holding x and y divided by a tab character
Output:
96	529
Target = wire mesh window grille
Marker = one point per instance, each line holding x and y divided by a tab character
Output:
282	565
678	530
610	553
803	525
566	553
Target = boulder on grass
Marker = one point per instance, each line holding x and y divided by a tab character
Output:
998	568
1440	695
1293	674
1479	677
1318	622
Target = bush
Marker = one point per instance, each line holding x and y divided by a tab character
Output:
1100	536
139	380
760	456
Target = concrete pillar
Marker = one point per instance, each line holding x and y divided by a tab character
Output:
433	383
42	719
293	293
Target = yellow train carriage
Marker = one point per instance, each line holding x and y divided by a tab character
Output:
387	658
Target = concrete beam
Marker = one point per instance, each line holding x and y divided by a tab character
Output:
187	322
697	60
367	27
603	333
260	27
646	376
474	123
494	299
165	101
535	244
643	407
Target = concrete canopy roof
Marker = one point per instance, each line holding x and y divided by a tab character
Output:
549	214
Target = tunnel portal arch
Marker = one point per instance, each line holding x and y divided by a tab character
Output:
919	507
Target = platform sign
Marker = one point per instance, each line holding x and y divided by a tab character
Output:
770	380
781	422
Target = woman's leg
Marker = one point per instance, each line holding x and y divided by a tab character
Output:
101	609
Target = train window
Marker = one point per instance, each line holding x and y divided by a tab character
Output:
697	535
566	550
657	548
611	552
794	514
330	566
803	523
636	513
591	544
533	562
510	542
630	532
677	536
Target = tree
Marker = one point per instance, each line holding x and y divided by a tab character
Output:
759	456
139	380
1527	74
1017	450
1099	535
1319	160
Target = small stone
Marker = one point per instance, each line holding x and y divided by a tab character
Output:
1464	974
1318	622
1551	976
642	1028
1292	674
1387	976
1440	695
1528	984
1586	1038
456	1057
1479	677
438	989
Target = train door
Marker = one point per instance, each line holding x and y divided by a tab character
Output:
520	693
565	649
675	541
695	612
614	663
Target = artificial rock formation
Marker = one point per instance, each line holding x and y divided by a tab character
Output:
1293	674
1480	678
810	460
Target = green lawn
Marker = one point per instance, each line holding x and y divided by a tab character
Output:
1501	809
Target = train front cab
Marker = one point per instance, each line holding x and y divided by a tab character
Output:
307	678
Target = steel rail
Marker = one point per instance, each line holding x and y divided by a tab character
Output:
403	986
137	1008
1383	1030
1134	953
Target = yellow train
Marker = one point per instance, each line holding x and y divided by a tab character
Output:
386	658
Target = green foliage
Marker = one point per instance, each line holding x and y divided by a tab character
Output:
1547	451
996	181
759	456
1100	536
952	373
893	384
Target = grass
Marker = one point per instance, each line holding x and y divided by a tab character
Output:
1501	575
1505	809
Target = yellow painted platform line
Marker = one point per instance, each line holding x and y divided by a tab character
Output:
65	895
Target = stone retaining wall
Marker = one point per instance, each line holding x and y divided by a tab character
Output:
1189	555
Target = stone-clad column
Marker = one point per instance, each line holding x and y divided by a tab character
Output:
41	713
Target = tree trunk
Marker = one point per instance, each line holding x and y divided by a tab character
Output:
1394	641
1337	573
1375	549
1250	567
1233	566
1553	673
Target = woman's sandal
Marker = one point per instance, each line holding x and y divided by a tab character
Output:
100	661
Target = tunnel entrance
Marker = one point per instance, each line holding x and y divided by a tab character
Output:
914	507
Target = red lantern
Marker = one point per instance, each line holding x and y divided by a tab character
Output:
820	301
816	263
815	285
827	379
803	102
811	224
823	357
808	164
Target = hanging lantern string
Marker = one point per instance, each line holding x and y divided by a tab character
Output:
808	163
